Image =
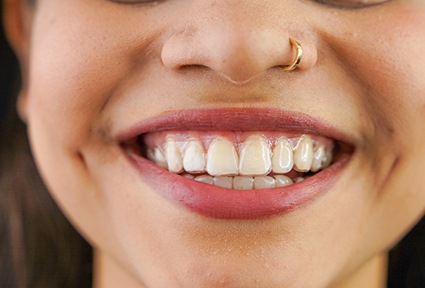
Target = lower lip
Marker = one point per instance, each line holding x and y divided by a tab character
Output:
217	202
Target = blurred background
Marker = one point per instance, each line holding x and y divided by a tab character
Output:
8	71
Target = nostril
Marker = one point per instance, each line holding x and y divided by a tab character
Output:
233	50
178	52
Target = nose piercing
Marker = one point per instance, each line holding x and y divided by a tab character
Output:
299	53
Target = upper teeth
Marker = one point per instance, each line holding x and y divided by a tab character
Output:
303	154
173	156
222	158
256	156
194	157
283	159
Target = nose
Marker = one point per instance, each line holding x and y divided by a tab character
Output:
234	41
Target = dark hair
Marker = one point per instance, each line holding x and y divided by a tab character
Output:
38	246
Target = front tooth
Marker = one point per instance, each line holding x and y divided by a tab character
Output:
194	157
205	179
243	183
224	181
282	160
255	157
299	179
282	180
173	156
222	158
262	182
318	159
303	154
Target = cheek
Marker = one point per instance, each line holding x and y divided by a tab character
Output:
78	63
390	61
391	69
70	86
387	65
402	57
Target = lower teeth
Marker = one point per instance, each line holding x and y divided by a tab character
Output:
245	182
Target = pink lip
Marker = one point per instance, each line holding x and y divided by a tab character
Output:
217	202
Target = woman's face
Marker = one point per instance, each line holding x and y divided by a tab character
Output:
111	81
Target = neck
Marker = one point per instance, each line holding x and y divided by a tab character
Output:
109	274
373	274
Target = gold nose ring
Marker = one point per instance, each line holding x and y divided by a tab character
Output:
298	56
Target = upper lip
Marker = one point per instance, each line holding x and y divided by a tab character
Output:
236	119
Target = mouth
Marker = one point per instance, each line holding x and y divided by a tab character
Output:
237	163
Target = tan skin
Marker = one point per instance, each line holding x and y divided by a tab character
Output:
92	67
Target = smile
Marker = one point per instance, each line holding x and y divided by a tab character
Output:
238	160
237	163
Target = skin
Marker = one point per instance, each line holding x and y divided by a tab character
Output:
92	67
